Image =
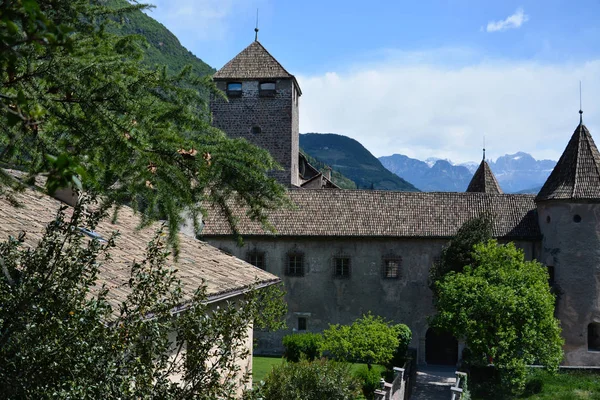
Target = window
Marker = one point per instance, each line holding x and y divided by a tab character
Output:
341	267
234	89
256	258
550	275
301	323
295	265
391	268
267	89
255	130
594	336
577	218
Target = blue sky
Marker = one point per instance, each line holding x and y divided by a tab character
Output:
425	78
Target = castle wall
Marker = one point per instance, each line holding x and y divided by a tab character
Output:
322	298
573	249
276	116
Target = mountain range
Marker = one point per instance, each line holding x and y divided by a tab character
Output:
518	172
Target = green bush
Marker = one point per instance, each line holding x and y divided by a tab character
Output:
316	380
370	380
302	345
404	338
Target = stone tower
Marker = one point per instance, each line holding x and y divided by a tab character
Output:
569	217
262	107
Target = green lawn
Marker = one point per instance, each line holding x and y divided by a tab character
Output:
261	366
565	386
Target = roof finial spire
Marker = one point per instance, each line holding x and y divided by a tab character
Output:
256	28
483	147
580	109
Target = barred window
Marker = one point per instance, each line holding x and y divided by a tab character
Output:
295	265
341	267
391	268
256	258
301	323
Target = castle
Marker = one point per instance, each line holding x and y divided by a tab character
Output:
342	253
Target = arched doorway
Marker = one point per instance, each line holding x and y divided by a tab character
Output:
440	348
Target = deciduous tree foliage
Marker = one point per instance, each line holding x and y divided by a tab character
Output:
77	105
63	336
502	307
370	339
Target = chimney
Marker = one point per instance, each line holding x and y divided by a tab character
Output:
66	195
327	172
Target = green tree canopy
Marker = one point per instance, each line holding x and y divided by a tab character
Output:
502	307
78	105
458	252
370	339
62	337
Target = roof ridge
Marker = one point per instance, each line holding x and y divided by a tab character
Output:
267	51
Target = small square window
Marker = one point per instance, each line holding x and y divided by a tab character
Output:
257	259
295	265
267	89
301	323
391	268
341	267
234	89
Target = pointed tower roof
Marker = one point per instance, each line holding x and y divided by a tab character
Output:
577	173
254	62
484	181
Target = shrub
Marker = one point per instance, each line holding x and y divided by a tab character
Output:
302	345
404	338
370	380
316	380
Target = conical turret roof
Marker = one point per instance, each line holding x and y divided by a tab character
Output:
484	181
577	173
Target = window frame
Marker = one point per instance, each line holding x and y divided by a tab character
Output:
593	330
343	270
298	267
302	322
267	92
234	93
253	256
385	267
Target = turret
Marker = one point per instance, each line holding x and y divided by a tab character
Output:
262	107
484	180
569	216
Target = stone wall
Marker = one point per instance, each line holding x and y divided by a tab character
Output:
321	298
277	118
573	249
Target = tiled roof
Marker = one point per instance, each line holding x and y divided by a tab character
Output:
254	62
365	213
484	181
223	274
577	173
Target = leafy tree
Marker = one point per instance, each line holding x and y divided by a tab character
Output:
370	339
458	252
302	345
78	105
316	380
64	336
502	306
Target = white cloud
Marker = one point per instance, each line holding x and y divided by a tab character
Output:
511	22
429	110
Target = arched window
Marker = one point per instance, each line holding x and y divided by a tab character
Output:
594	336
255	130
